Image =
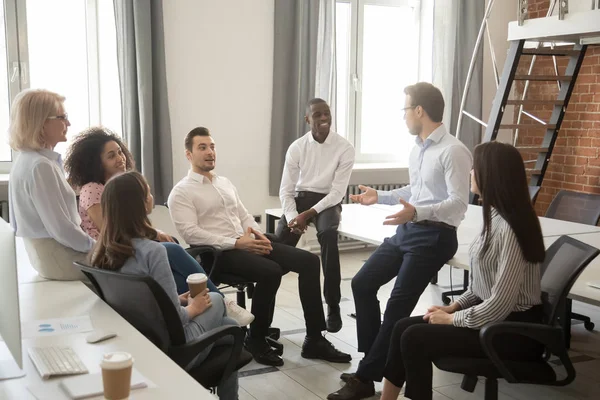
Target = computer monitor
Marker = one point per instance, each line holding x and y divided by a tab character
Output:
10	320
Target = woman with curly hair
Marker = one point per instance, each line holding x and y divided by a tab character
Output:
95	156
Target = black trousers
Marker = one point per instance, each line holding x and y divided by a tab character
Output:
266	272
327	223
415	344
413	255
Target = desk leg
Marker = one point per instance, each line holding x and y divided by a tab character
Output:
271	223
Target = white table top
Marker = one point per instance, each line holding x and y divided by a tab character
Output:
365	223
54	299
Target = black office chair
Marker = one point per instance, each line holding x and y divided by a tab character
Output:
565	260
577	207
160	323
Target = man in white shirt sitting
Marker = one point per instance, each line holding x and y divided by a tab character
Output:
435	202
207	210
315	177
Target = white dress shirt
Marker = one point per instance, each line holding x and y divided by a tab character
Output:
42	203
439	170
502	280
316	167
209	213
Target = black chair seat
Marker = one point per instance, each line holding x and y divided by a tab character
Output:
209	373
531	372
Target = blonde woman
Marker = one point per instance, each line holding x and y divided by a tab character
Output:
43	207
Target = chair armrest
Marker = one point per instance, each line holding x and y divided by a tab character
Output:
214	253
183	355
550	336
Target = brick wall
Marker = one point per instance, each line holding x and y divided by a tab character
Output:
575	162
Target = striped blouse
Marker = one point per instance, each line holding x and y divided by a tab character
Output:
502	281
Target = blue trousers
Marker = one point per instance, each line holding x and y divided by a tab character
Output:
413	256
182	265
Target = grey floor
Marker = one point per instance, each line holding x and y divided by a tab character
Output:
309	379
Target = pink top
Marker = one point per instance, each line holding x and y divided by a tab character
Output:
89	195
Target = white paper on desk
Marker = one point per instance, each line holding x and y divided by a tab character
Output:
53	390
57	326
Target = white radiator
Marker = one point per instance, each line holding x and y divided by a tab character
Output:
345	243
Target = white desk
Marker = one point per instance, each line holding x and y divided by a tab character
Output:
4	179
53	299
365	223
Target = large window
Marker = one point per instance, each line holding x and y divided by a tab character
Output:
67	46
377	50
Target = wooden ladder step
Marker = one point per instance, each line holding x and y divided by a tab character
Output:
535	102
532	149
527	126
543	77
551	52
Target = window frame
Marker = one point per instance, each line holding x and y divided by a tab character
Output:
355	71
18	52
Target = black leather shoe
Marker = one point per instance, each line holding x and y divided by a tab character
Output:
320	348
274	333
276	346
354	389
334	319
346	376
262	352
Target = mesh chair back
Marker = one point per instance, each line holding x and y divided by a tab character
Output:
142	302
565	260
578	207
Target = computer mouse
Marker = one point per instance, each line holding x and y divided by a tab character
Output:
99	336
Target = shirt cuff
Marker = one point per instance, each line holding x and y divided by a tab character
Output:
384	197
463	302
459	319
423	213
229	243
290	215
318	207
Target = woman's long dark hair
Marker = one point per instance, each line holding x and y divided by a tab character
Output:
83	163
125	218
502	182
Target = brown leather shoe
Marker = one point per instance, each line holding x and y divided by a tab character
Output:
354	389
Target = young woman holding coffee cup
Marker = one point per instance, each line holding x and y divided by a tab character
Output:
96	155
126	243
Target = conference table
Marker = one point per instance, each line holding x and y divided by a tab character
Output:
365	223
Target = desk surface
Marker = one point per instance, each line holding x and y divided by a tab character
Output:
365	223
53	299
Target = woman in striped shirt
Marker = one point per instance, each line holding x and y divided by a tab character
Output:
505	282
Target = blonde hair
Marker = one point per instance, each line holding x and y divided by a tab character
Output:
30	110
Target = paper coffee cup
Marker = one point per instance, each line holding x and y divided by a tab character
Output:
116	375
197	283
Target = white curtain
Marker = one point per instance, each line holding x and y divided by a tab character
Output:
326	79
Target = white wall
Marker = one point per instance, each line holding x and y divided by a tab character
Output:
503	12
219	57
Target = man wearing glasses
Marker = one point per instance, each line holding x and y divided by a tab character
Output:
434	203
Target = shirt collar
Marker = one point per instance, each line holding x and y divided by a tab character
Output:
328	140
52	155
199	177
435	136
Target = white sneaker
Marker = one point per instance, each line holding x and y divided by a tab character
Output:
242	316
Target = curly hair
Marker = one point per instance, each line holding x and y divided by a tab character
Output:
83	163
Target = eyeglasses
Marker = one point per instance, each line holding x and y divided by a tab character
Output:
64	117
409	108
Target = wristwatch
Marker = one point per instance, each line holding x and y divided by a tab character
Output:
414	218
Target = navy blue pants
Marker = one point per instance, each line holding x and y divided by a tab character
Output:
413	256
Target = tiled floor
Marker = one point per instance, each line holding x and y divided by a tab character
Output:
313	379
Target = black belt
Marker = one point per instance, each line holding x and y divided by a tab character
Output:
436	223
310	194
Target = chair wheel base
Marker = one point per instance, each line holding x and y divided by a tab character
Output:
446	300
589	326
